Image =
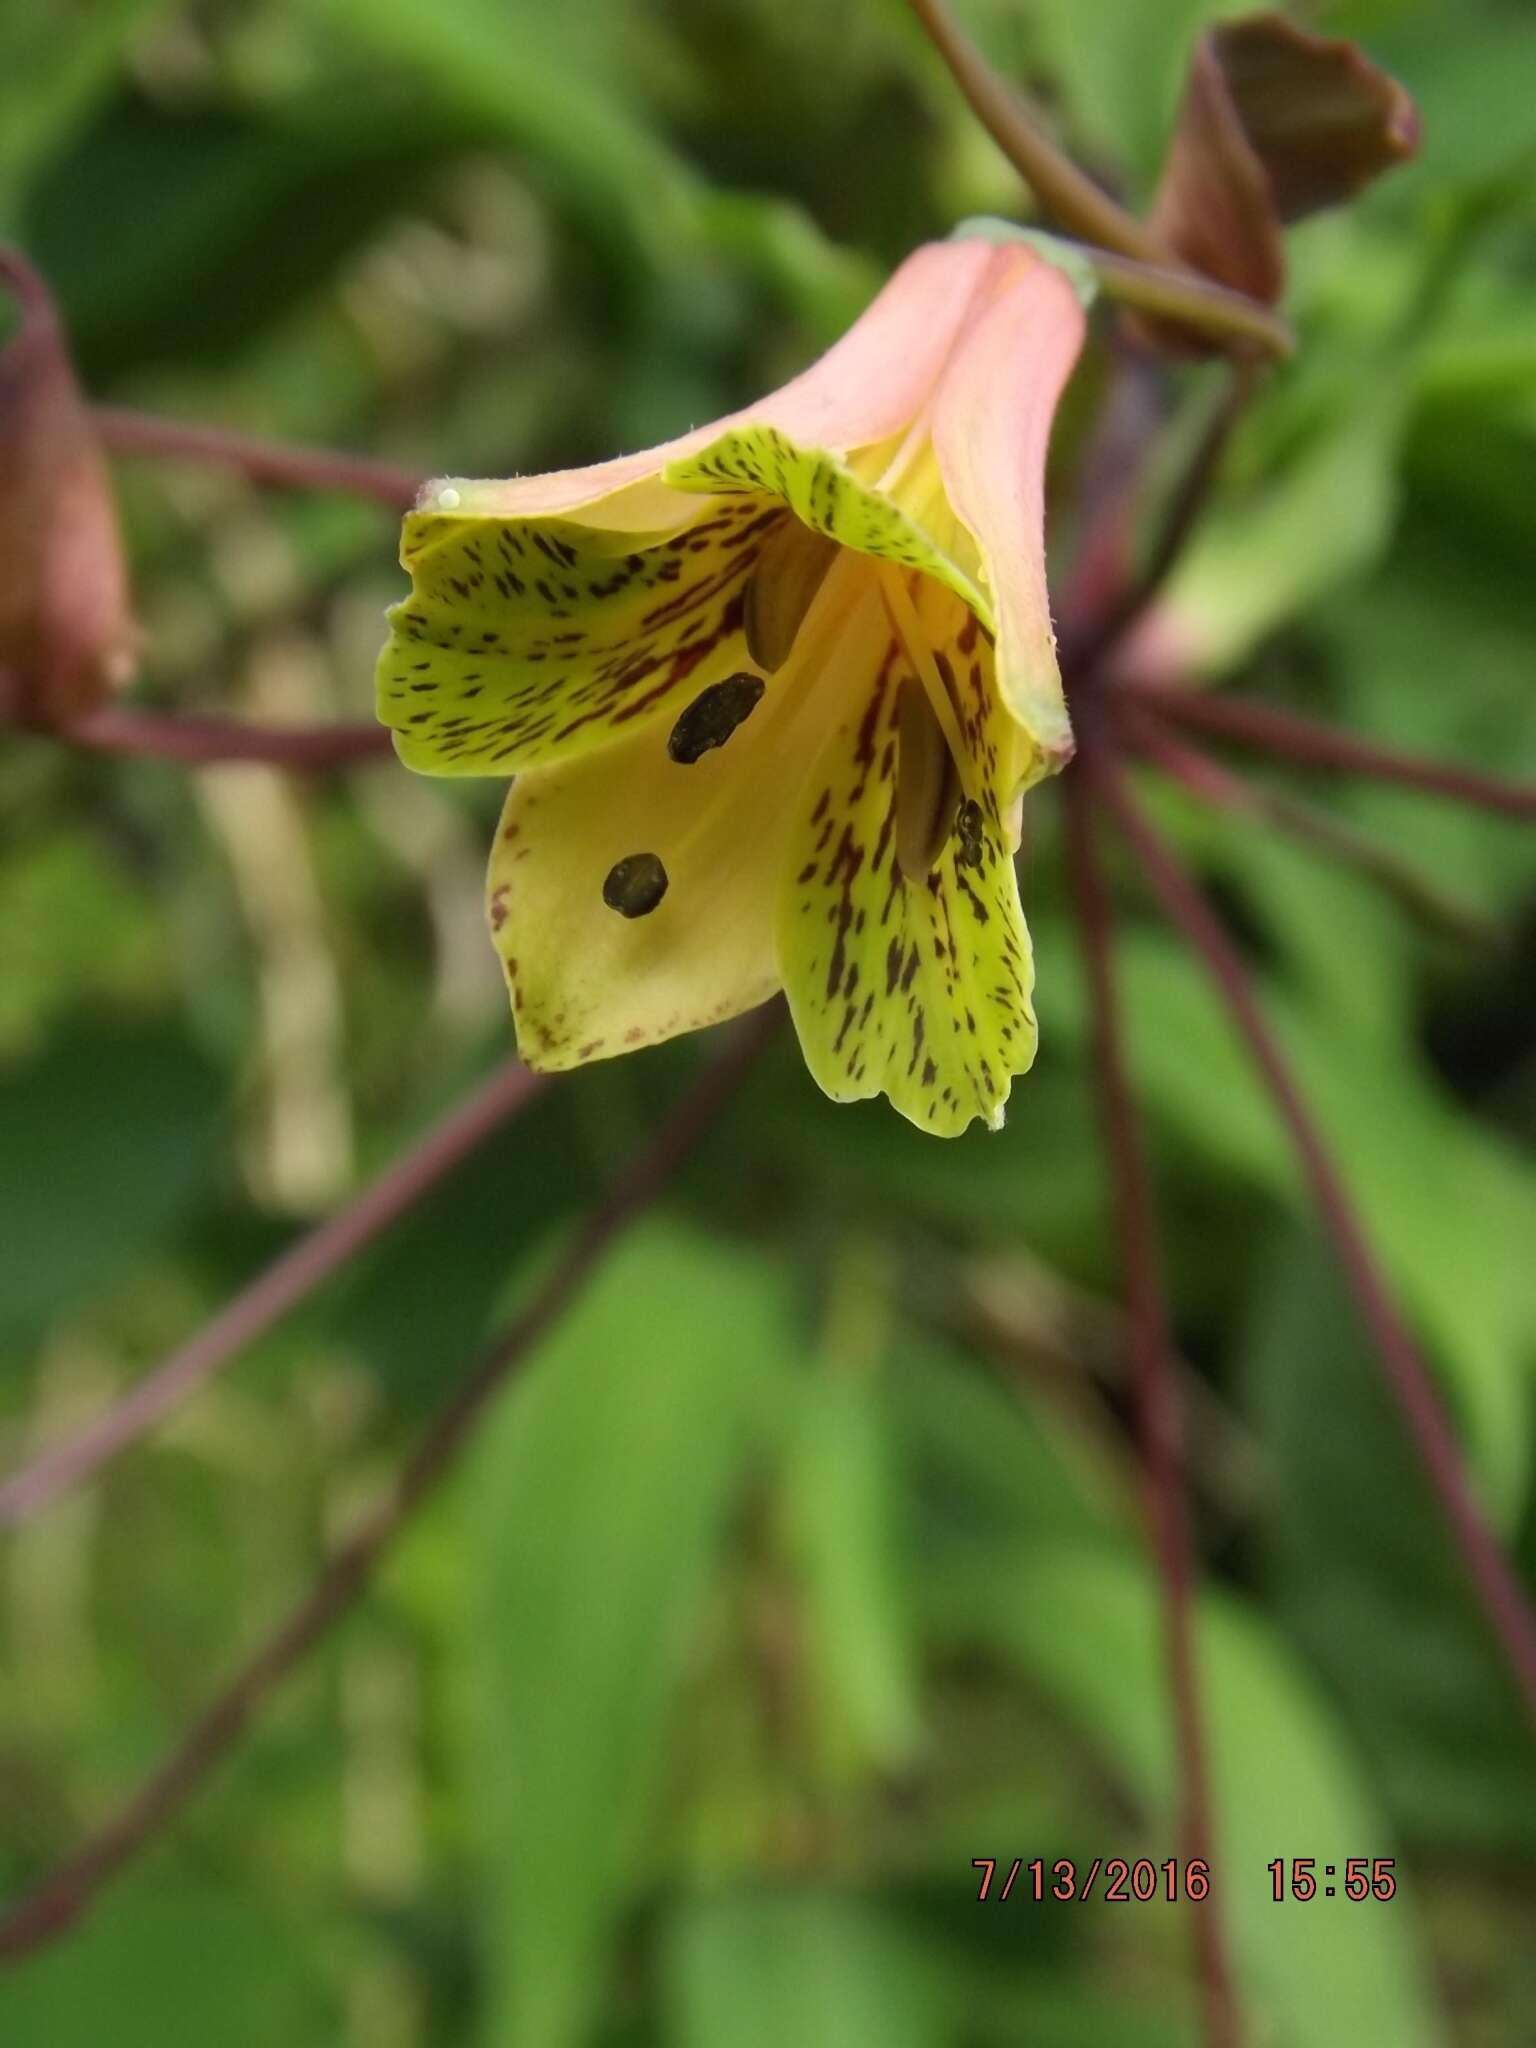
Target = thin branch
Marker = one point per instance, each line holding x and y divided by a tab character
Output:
1067	194
1315	745
1168	292
201	742
1160	1414
1410	886
280	464
1085	649
1132	264
285	1283
57	1903
1412	1386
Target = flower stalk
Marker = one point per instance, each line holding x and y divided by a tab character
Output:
199	741
290	1279
279	465
1411	887
1066	193
1130	262
1160	1415
1288	736
1499	1591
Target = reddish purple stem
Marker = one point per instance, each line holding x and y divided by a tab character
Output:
286	1282
282	465
200	742
1160	1416
1247	724
1498	1589
55	1905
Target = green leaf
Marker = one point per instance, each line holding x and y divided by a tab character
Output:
868	1163
841	1501
169	1960
54	62
549	82
104	1139
1323	518
224	188
988	1463
77	929
1052	2009
600	1495
1473	73
1362	1572
418	1304
1444	1203
798	1970
1326	1973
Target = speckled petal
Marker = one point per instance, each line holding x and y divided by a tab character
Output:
824	494
992	421
586	982
549	615
526	641
918	991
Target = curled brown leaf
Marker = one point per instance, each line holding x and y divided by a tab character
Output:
1275	124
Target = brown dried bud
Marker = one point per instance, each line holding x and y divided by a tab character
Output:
1275	124
66	634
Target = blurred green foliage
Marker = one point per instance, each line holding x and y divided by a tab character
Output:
803	1565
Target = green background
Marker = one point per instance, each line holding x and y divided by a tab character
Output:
803	1564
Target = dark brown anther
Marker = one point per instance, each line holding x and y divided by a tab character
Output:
713	716
635	885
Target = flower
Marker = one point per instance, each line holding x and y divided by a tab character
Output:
771	693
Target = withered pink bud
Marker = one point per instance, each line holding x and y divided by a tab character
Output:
1275	124
66	633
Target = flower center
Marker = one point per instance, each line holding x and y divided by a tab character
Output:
925	664
790	569
928	793
934	774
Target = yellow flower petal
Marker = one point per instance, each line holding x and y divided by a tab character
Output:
711	796
688	831
532	640
918	991
825	495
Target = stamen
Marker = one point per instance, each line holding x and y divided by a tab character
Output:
713	716
791	567
927	785
635	885
906	625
